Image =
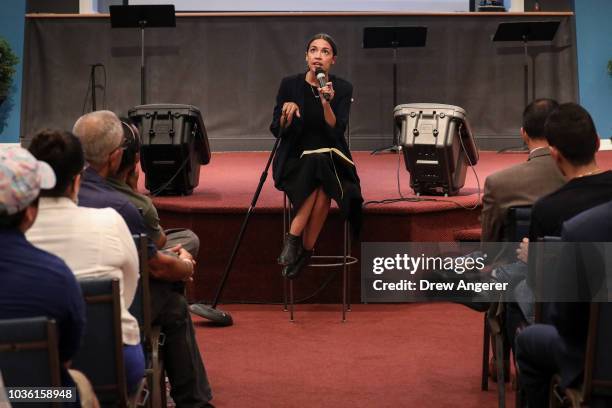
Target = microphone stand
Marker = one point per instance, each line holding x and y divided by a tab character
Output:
395	146
211	313
92	79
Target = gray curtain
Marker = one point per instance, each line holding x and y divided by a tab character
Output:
230	67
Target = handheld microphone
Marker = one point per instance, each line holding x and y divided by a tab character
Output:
320	74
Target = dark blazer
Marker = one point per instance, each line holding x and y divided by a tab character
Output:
572	318
292	90
576	196
593	225
551	211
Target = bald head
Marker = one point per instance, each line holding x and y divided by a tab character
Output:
100	133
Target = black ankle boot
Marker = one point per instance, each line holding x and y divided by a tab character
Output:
293	270
292	248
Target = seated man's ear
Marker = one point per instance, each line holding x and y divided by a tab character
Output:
76	186
558	158
524	135
29	217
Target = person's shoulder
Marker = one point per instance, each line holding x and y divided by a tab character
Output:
143	198
118	200
129	211
100	216
541	170
550	201
112	217
101	194
292	78
51	266
115	200
507	175
340	82
112	226
588	222
289	85
604	177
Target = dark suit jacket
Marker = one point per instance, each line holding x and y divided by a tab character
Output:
593	225
572	318
519	185
292	90
550	212
576	196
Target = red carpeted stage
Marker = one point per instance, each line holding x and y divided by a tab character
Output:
217	207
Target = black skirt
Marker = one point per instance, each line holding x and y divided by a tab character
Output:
302	176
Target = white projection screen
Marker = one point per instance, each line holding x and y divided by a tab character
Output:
314	5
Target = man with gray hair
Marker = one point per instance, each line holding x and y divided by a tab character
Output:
101	136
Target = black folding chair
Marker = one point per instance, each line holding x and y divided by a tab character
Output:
516	227
152	338
100	357
596	388
29	355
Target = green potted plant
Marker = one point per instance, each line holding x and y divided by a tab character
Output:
610	67
8	61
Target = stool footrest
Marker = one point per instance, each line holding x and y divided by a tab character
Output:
350	260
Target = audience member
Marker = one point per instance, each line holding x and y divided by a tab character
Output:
518	185
101	136
125	181
523	183
95	243
571	133
543	350
34	282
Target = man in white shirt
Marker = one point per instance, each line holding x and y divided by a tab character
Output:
94	243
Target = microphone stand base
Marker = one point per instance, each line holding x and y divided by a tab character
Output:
388	149
216	316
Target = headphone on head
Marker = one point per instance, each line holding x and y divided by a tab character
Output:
131	144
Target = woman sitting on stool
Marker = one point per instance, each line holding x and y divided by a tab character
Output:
313	163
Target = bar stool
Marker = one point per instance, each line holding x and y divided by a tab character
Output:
345	260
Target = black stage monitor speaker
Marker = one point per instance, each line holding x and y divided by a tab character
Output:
438	146
174	144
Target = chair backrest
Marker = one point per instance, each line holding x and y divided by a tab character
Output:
516	226
29	354
598	359
101	355
541	266
141	305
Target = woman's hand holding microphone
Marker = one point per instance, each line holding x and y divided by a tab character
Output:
327	93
